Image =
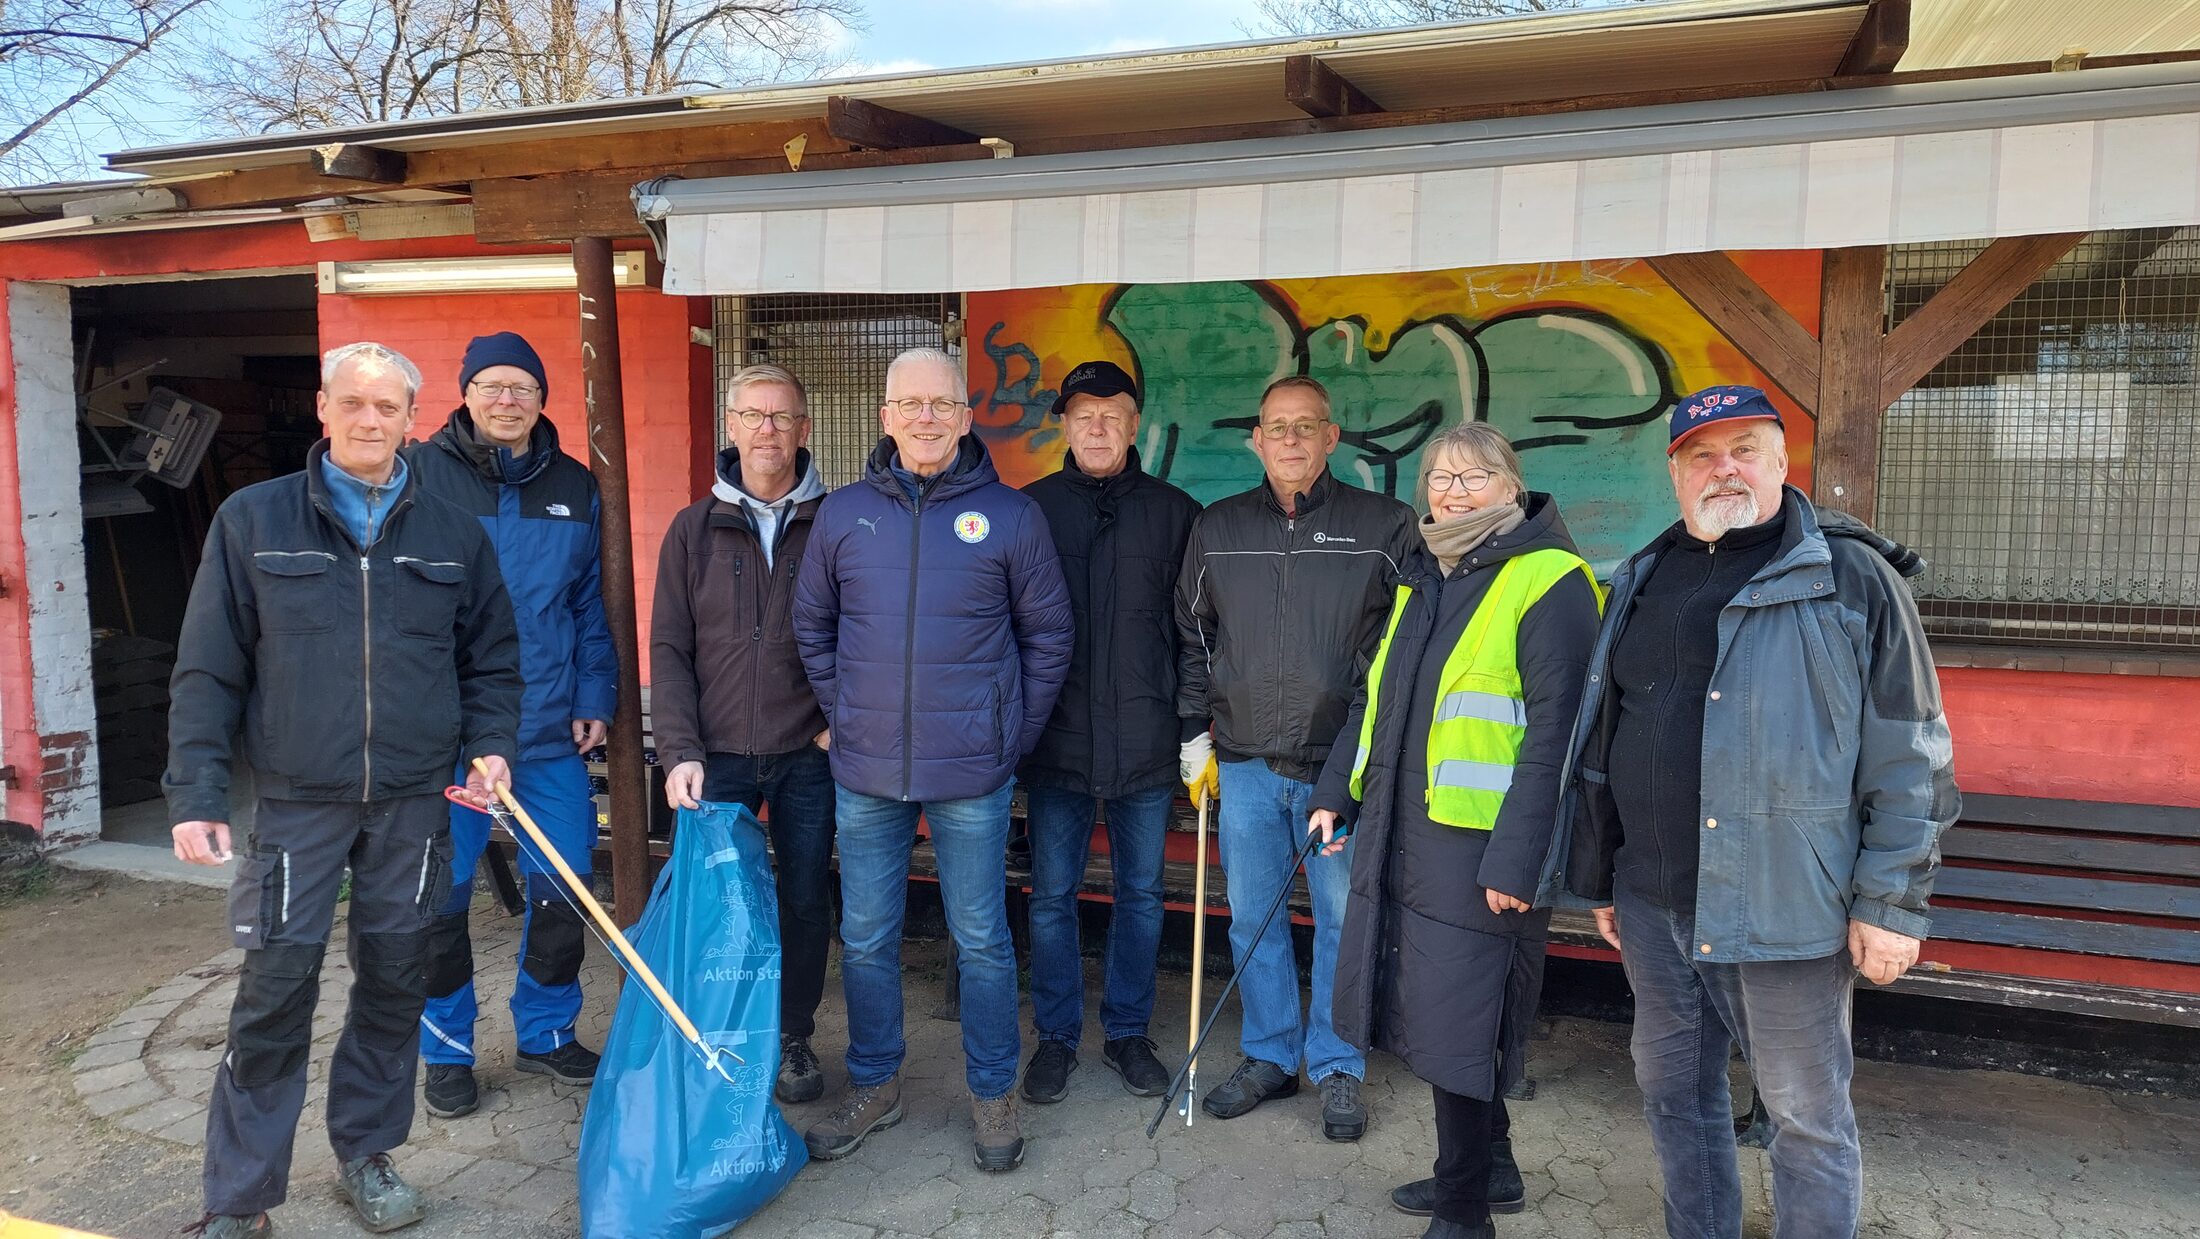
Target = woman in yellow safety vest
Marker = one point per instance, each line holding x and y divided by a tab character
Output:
1447	773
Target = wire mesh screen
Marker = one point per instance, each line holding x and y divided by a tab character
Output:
2046	468
839	346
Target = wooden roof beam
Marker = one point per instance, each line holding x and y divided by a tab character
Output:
1881	39
1315	88
1964	305
864	124
1746	314
356	161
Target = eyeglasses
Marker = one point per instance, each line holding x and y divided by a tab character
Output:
1297	430
941	409
518	391
1472	481
752	418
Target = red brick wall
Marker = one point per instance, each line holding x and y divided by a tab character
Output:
663	426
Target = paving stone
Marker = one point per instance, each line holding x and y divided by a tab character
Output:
155	1118
1152	1195
100	1079
109	1055
832	1228
486	1178
130	1096
1024	1215
189	1130
428	1168
123	1031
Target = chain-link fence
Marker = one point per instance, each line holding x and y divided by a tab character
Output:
839	346
2046	469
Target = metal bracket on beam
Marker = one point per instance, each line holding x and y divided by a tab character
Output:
355	161
1318	90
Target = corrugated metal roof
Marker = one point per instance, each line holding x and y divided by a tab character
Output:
1947	34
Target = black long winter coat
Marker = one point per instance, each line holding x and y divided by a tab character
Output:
1425	970
1114	730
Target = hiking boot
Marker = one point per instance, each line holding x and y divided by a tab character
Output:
1344	1115
1416	1199
383	1201
999	1140
1133	1059
1508	1192
571	1063
1438	1228
450	1091
1252	1083
800	1078
232	1226
1046	1079
862	1110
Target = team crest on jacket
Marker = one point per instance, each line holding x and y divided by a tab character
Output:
972	526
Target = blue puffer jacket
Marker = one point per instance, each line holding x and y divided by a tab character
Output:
935	628
540	510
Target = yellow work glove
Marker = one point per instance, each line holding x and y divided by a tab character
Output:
1195	764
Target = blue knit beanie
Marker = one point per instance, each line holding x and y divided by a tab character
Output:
505	348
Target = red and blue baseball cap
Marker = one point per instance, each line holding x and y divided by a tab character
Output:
1713	405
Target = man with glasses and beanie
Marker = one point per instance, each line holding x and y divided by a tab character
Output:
1752	801
497	458
1280	605
1112	740
936	631
733	714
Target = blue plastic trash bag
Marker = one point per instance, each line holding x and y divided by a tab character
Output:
670	1147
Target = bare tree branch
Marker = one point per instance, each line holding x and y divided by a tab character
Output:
134	27
1302	17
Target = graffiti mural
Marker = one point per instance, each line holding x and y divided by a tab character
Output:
1577	362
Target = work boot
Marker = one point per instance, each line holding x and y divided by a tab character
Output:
1133	1059
1416	1199
571	1063
862	1110
999	1139
1438	1228
383	1201
231	1226
1344	1115
800	1078
450	1091
1508	1192
1252	1083
1046	1079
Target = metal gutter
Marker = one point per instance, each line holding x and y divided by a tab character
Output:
1913	108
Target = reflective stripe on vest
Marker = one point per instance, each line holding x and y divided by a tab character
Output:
1481	716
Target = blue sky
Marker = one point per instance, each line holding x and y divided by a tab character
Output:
910	34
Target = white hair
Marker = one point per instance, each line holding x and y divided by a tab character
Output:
764	372
929	357
379	354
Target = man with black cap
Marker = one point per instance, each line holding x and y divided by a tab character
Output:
1113	738
498	458
1759	777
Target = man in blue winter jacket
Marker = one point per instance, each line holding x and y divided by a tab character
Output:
936	630
498	458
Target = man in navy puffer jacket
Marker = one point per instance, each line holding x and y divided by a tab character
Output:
498	458
936	631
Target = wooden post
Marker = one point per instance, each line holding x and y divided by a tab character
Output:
605	397
1851	327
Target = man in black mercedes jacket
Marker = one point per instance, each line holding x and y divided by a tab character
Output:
1280	604
1113	737
352	636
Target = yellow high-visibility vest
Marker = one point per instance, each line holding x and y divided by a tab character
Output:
1481	714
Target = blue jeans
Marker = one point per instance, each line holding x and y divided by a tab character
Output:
970	844
1792	1020
546	995
1061	839
1262	824
797	790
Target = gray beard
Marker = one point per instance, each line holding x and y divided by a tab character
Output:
1719	515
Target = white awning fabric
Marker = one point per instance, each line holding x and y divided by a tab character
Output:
2067	152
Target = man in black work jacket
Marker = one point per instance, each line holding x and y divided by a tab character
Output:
353	632
1113	736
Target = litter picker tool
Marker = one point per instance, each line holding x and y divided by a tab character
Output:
1183	1073
1199	964
506	810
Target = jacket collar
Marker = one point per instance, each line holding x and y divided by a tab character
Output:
461	438
809	483
1124	477
971	469
1325	485
317	492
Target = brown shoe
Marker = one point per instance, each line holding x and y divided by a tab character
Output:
861	1111
999	1143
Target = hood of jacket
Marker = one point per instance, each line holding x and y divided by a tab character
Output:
971	469
810	484
461	438
1121	479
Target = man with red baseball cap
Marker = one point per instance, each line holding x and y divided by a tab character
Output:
1759	780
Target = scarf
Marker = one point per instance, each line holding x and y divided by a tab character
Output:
1450	540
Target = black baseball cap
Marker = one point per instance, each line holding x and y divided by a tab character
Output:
1096	378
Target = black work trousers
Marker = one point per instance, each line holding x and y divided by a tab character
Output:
1465	1129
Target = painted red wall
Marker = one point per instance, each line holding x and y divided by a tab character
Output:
2125	738
20	745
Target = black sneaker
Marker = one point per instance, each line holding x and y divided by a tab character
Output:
1252	1083
1508	1191
571	1063
1046	1079
1438	1228
1133	1059
800	1078
231	1226
450	1091
1344	1115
